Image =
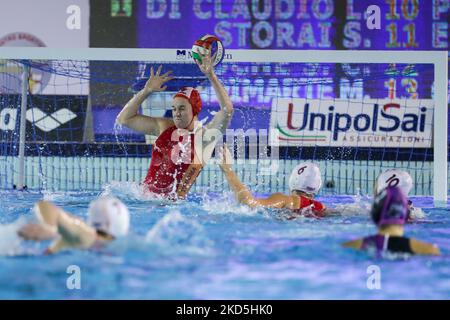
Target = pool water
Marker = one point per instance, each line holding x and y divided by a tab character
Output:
209	247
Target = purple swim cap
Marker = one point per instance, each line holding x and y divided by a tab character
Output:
390	207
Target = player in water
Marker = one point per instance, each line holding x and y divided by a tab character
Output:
389	212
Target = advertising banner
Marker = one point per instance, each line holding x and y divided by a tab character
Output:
345	123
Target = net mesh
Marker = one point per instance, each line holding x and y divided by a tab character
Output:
354	120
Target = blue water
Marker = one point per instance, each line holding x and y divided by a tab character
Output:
211	248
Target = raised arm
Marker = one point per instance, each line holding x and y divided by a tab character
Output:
222	118
243	194
354	244
129	116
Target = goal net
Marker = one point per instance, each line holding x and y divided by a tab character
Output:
354	113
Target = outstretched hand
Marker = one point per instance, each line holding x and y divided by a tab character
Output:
156	81
205	66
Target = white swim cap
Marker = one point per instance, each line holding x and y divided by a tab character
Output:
394	178
305	177
110	215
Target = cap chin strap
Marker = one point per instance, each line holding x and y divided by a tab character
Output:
190	122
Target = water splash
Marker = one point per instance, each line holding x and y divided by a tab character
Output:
67	196
10	242
126	189
118	127
175	232
361	205
387	255
225	203
129	190
417	213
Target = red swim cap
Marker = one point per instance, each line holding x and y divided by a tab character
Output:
193	97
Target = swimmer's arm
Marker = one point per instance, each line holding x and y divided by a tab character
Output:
354	244
47	213
74	233
37	232
243	194
129	116
331	212
419	247
57	246
222	118
278	201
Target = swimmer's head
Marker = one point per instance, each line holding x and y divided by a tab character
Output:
390	207
394	178
305	178
109	215
186	105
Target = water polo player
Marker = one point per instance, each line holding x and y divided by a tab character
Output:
401	179
108	219
304	183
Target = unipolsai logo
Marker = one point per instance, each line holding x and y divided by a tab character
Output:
372	122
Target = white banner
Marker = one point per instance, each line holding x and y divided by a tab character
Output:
348	123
